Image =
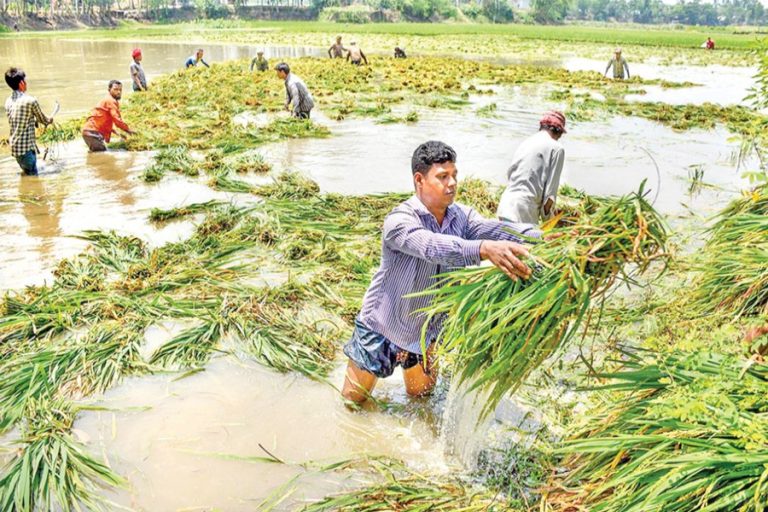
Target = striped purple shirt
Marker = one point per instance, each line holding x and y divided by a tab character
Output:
415	249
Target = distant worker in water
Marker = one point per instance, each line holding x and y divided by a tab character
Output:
101	123
138	77
196	59
619	65
259	62
336	51
355	55
24	113
422	237
534	176
298	99
399	53
709	44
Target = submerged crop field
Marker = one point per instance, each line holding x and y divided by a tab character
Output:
627	373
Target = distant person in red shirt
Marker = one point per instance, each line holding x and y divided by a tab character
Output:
709	44
100	124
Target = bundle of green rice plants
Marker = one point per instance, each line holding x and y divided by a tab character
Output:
222	179
52	471
289	185
191	348
680	432
171	159
64	131
496	330
480	195
161	215
734	266
268	327
80	273
394	487
76	368
114	251
250	162
39	314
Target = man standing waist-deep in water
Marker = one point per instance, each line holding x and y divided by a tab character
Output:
23	113
426	235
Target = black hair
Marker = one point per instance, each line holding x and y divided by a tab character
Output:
283	67
553	129
13	77
429	153
114	82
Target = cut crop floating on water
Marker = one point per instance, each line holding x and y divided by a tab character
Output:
496	331
686	433
734	263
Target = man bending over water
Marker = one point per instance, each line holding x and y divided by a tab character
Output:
424	236
104	118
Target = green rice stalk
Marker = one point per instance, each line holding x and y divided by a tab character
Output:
77	369
683	432
171	159
289	185
51	470
496	331
161	215
191	348
397	488
734	266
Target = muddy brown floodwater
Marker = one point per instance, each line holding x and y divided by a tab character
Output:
183	444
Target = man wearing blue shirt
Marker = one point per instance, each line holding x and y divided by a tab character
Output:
423	237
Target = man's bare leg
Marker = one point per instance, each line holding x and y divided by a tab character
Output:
418	381
358	384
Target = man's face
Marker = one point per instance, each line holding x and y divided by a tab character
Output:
199	55
281	75
116	91
338	40
438	187
23	85
137	58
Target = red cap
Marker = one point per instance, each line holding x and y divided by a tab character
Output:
136	52
554	119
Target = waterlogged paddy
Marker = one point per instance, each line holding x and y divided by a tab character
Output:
76	73
176	440
172	438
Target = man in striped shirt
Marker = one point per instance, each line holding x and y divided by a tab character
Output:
23	113
422	237
298	100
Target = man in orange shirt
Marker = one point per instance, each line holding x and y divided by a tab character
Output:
100	124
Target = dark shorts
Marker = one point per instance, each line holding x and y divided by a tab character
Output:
375	354
28	162
94	140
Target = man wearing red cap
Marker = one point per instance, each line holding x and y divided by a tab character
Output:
137	72
534	176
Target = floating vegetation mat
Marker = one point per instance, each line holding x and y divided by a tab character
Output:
496	331
685	432
393	486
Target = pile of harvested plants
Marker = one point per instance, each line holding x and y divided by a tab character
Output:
496	331
687	432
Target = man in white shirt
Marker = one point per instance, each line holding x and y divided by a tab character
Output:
534	176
